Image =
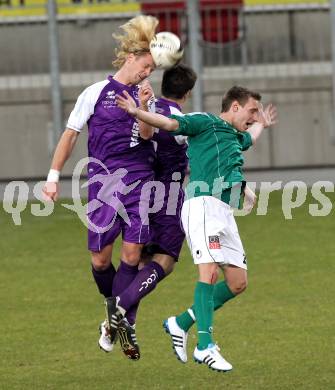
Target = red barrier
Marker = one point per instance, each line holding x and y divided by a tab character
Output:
219	18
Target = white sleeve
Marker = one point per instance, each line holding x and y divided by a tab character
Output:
84	106
151	104
180	139
152	108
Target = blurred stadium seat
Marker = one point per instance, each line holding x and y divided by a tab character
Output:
219	19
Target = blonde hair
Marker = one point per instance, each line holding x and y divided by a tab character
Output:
138	32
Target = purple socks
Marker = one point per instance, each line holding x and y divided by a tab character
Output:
104	280
144	282
129	284
125	274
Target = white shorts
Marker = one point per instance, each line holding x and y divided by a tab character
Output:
211	232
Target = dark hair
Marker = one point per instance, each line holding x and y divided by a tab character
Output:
239	94
177	81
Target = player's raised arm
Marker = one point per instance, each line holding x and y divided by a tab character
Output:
62	153
265	118
128	104
146	95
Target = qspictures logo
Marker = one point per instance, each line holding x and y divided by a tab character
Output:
154	196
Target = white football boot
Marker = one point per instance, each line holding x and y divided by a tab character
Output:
104	341
178	336
212	357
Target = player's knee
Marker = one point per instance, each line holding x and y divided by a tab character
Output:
238	286
131	260
166	262
168	268
215	276
242	286
131	254
208	273
100	263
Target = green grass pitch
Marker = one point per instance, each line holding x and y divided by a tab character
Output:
280	334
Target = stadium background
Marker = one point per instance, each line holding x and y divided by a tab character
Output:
284	50
280	334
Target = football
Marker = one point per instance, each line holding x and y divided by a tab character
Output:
166	50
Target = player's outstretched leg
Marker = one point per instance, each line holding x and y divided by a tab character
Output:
104	340
128	342
114	314
178	337
212	357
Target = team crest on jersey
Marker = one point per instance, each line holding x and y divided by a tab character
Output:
135	94
214	242
160	110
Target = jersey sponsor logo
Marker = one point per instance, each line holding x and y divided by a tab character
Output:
135	135
214	242
109	100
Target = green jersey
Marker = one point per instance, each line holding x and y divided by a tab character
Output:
215	154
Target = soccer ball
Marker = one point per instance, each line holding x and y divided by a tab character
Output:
166	50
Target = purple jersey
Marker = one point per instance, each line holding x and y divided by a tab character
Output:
171	150
165	226
113	134
124	164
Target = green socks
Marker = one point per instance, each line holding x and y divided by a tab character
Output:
221	294
204	309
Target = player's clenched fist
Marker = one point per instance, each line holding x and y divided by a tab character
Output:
50	191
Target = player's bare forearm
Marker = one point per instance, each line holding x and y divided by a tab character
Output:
62	153
146	131
255	130
146	94
128	104
64	149
156	120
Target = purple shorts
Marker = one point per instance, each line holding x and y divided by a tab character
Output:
114	207
166	230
